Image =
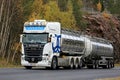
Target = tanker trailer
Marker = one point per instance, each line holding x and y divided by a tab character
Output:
45	44
99	53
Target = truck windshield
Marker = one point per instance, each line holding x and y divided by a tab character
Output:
35	38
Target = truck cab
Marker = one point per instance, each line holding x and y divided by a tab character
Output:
40	42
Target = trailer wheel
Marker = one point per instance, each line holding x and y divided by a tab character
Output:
54	63
106	66
28	67
96	65
109	64
112	64
93	66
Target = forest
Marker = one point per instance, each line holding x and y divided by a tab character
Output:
70	13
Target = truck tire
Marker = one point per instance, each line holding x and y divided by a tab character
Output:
112	64
80	64
96	65
28	67
76	64
93	66
54	64
72	64
106	66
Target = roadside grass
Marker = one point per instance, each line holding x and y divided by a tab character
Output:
5	64
117	65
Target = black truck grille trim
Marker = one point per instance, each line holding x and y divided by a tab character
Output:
33	54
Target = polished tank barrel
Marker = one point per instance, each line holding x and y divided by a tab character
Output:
102	49
72	42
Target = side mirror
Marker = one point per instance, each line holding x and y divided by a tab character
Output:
49	39
21	38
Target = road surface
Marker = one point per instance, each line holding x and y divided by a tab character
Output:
42	74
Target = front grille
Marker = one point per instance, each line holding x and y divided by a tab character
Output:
33	52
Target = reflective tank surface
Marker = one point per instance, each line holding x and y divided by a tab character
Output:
72	43
101	48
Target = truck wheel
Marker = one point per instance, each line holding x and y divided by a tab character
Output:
112	64
109	64
96	65
106	66
93	66
76	64
72	64
80	64
28	67
54	63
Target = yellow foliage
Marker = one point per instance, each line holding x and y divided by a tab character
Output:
37	10
34	16
16	47
99	6
106	15
51	12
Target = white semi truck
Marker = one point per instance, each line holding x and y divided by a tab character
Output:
45	44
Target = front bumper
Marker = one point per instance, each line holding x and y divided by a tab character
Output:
43	63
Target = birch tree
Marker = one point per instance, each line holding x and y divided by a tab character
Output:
9	20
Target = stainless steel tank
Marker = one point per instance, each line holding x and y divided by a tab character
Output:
72	43
101	47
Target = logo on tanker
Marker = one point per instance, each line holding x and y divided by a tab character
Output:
57	47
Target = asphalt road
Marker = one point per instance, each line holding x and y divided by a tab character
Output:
41	74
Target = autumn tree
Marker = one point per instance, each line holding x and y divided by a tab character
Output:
62	4
77	12
27	8
37	10
114	6
10	21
